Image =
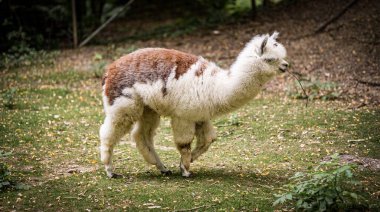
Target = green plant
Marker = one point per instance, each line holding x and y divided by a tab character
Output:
326	187
9	98
234	120
5	179
98	68
100	61
120	51
314	88
238	7
98	65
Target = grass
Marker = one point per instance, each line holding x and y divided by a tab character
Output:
52	135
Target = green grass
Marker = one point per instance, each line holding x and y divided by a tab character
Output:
53	129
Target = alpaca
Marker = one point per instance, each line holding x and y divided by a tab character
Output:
142	86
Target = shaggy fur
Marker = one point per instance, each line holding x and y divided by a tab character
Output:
148	83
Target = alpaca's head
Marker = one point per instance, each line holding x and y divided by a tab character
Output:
268	52
273	53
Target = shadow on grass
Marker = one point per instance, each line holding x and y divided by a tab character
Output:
208	177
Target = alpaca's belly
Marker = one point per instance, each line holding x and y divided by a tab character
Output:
188	112
175	106
181	99
193	114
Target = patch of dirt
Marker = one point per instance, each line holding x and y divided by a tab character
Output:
73	169
56	171
363	162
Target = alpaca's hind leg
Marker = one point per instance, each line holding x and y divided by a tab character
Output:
143	134
112	130
205	134
183	132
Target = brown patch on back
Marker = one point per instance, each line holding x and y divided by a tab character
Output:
145	65
183	63
201	69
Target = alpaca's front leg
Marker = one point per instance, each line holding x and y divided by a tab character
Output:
205	134
183	132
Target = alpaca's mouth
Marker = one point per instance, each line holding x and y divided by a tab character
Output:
283	66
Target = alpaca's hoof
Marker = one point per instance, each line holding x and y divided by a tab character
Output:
115	176
166	173
187	175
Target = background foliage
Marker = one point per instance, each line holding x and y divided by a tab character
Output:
48	23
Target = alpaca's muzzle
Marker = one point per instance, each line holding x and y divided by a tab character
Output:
284	66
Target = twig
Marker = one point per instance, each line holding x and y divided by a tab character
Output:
304	92
306	35
105	23
70	197
74	14
374	84
357	140
335	17
358	106
83	193
373	42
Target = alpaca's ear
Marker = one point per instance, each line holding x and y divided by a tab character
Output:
274	35
263	44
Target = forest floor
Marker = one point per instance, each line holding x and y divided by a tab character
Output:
51	113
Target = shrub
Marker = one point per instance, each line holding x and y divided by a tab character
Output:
5	176
98	65
324	188
5	182
9	98
23	56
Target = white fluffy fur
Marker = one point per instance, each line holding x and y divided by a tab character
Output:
192	102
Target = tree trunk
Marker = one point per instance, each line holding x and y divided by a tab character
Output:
74	15
253	9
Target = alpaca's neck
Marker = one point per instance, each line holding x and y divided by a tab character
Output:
245	80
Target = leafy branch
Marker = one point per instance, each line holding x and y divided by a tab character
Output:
323	188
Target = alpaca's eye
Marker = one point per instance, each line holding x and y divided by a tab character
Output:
270	60
275	44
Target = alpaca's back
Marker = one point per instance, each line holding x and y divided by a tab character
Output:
145	66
